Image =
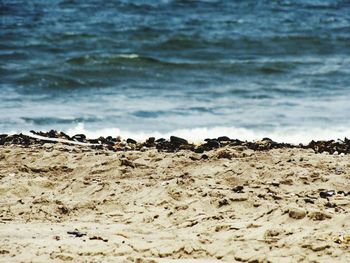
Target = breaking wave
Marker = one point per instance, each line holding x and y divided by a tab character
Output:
287	135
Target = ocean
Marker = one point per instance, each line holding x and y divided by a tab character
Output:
196	69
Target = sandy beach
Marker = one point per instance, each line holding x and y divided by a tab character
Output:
232	204
175	131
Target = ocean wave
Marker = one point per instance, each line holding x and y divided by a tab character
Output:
131	56
112	59
132	62
288	135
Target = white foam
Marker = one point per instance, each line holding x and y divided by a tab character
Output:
131	56
287	135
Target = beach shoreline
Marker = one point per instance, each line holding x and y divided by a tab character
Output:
173	144
76	203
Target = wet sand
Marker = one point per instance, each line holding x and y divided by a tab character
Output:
232	204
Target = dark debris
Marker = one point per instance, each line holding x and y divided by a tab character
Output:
174	144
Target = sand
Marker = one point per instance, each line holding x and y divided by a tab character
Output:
71	203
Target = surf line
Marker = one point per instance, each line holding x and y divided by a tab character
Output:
59	140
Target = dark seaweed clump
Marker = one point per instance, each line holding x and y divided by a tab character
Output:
173	144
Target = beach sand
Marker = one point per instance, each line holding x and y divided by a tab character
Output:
73	203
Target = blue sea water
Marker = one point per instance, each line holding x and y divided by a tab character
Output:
245	69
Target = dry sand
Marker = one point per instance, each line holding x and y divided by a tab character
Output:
172	207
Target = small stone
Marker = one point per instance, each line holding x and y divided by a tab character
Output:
326	194
199	149
268	140
79	137
98	238
204	157
65	136
238	189
212	144
129	140
223	202
330	205
52	134
223	139
150	140
76	233
335	153
3	138
276	184
177	140
308	200
94	141
296	213
110	140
